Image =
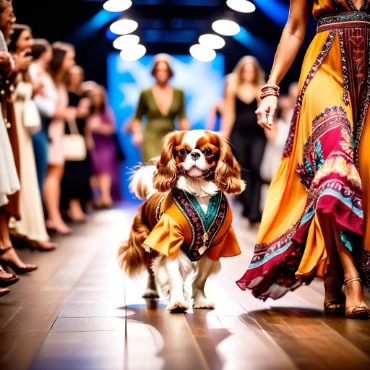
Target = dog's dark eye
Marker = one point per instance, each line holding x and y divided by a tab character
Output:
183	152
208	152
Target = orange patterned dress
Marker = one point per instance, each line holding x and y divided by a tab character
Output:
326	163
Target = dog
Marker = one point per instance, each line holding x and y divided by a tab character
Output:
184	223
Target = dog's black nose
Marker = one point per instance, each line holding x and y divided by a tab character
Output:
195	155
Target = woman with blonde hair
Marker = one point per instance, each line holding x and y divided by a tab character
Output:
161	104
239	124
63	59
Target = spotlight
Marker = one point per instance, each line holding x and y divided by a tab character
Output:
202	53
125	41
226	27
124	26
212	41
133	53
242	6
117	5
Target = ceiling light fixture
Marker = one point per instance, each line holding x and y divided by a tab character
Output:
117	5
226	27
212	41
124	26
242	6
202	53
125	41
133	53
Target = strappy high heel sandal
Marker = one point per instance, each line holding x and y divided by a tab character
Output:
17	269
5	282
359	311
333	281
4	292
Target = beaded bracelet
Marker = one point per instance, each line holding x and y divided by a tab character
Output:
270	86
269	90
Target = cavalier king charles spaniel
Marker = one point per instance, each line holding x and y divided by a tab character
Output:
184	223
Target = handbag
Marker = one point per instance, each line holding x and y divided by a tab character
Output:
31	116
74	146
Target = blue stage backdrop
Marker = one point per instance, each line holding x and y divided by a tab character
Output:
202	83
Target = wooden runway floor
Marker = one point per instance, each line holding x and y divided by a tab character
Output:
80	312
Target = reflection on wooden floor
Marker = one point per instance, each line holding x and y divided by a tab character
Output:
80	312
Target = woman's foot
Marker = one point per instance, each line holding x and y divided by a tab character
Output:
10	258
107	202
7	279
356	307
58	226
75	212
78	217
334	297
45	246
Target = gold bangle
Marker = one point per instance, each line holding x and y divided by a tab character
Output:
270	86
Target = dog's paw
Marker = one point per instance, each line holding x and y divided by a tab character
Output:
151	294
178	306
203	303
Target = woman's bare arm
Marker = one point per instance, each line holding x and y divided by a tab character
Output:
290	43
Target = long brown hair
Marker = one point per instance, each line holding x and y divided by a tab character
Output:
235	80
104	105
18	29
60	50
39	47
3	5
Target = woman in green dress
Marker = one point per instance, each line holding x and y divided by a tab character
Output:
161	104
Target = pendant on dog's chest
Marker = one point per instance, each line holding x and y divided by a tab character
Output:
202	250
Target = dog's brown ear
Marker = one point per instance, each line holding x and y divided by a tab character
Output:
165	177
228	171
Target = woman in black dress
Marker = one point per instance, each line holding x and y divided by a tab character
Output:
75	185
240	126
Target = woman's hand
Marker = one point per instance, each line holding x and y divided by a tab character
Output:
137	138
6	62
70	113
266	111
22	60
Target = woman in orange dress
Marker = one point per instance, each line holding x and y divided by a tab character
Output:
316	221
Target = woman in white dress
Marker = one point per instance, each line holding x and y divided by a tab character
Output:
9	182
31	227
63	60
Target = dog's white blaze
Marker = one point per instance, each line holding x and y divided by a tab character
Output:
191	137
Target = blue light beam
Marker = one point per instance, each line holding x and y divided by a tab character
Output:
278	12
261	49
93	25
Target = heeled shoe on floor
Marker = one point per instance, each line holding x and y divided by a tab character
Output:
4	292
5	282
334	308
17	269
334	298
359	311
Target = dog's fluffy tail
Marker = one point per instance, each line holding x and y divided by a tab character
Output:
142	181
132	256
